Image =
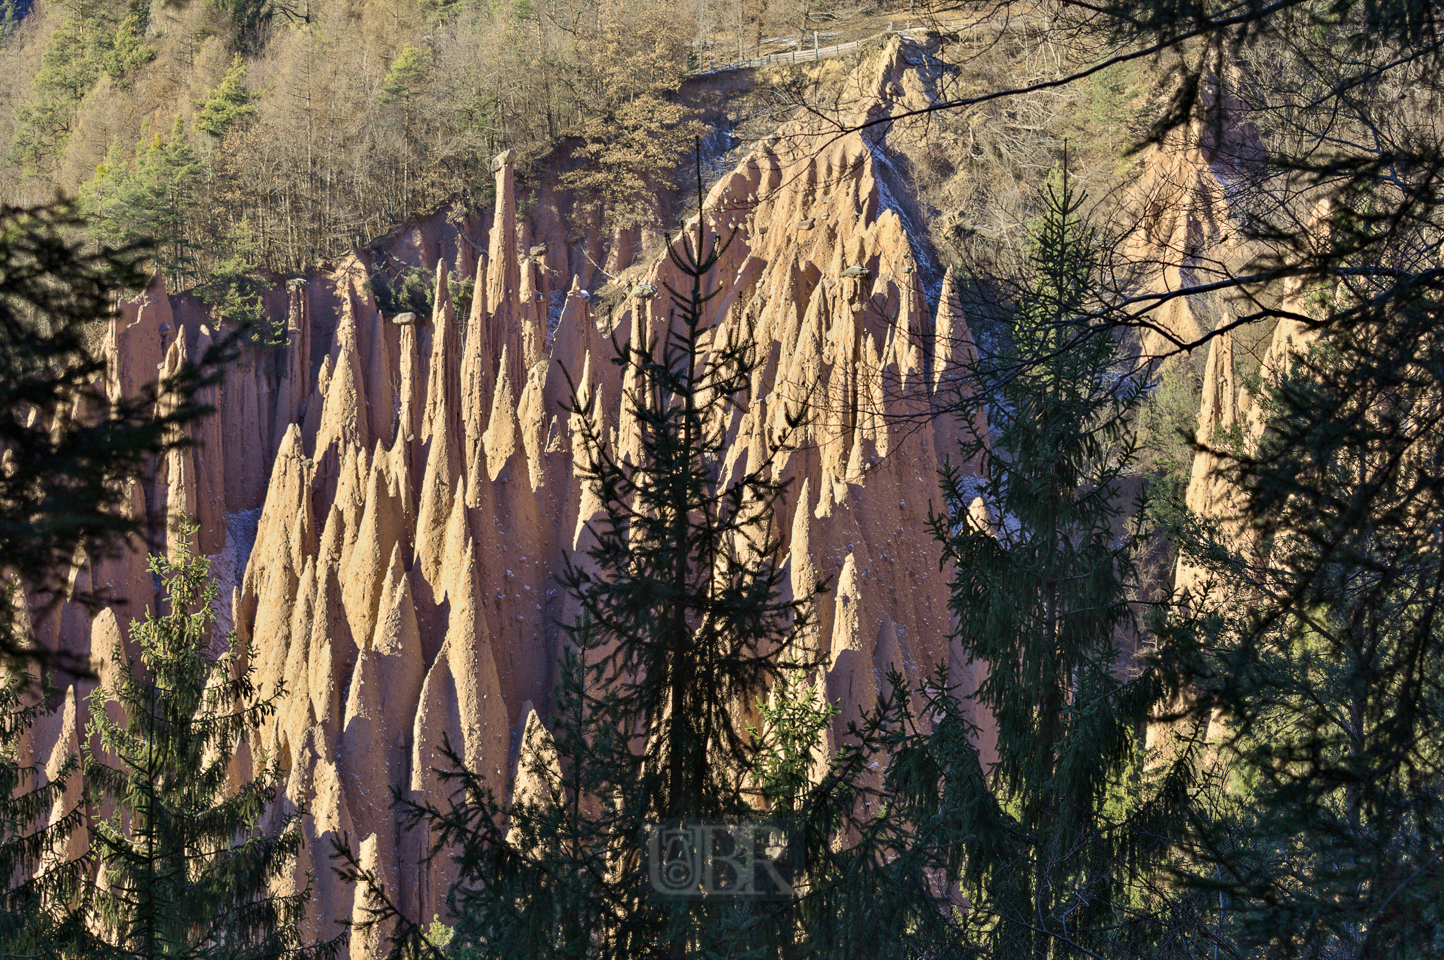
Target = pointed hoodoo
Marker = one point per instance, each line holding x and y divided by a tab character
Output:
536	773
849	622
399	660
444	472
107	653
478	365
124	578
440	485
193	487
364	758
411	403
503	281
297	714
576	339
1217	416
801	569
333	652
455	552
532	311
372	943
67	745
955	357
135	342
532	422
851	680
380	533
287	498
291	396
443	383
888	655
328	818
208	456
343	420
500	440
361	315
460	702
462	695
283	541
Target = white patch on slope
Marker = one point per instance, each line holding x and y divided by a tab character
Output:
229	566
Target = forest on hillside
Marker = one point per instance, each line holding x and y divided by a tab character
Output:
284	134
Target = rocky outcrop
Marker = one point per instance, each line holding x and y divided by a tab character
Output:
419	476
1231	422
1179	229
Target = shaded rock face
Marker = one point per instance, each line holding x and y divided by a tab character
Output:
417	477
1228	415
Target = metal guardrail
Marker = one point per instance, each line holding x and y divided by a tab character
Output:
823	53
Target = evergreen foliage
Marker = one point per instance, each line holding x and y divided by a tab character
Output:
248	20
97	39
407	74
1167	422
227	103
147	200
11	13
67	72
1314	629
1070	819
1320	650
185	858
410	291
127	50
234	291
879	849
793	719
64	483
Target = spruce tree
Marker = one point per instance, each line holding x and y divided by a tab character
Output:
227	103
185	861
101	38
64	481
147	201
11	13
1057	835
682	626
234	287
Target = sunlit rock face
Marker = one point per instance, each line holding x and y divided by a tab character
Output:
390	498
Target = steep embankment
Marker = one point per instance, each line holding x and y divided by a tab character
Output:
411	483
417	484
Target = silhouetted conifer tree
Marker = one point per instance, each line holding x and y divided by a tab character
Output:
1059	836
1319	641
186	862
68	446
682	625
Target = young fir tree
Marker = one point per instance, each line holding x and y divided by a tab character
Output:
227	104
185	863
96	39
233	290
682	625
1056	845
147	201
11	13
